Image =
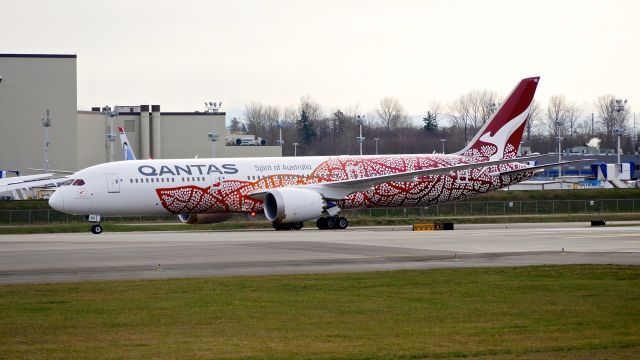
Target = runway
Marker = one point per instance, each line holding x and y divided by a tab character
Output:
45	258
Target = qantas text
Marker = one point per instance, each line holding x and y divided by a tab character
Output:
193	169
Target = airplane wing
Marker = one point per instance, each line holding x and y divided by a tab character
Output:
54	171
337	190
537	167
50	182
24	179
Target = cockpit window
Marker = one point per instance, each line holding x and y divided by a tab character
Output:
78	182
68	182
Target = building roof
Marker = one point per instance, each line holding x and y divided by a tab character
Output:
59	56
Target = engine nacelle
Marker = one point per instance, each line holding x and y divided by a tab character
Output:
203	218
289	205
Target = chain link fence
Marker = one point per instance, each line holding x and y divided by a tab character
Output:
466	208
507	208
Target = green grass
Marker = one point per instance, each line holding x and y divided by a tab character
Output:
529	312
362	221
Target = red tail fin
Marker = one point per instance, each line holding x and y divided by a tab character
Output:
500	136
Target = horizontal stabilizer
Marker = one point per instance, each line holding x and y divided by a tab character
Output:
537	167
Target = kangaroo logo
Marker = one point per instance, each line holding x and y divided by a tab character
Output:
500	138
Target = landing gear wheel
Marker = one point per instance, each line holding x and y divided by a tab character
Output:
298	225
321	223
342	223
96	229
332	223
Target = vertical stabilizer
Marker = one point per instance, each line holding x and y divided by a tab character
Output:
127	151
500	136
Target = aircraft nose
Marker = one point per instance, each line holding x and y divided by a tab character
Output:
57	200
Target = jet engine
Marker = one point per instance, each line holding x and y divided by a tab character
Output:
203	218
289	205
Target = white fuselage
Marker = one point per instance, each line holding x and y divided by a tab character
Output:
181	186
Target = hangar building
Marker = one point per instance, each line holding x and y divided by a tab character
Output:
31	84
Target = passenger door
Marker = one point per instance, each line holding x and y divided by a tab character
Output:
113	183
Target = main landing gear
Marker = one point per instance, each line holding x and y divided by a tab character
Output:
332	222
288	226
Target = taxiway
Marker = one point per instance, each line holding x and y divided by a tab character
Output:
44	258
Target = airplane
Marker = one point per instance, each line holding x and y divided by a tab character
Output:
291	190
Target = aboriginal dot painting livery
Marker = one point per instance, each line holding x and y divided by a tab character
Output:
293	190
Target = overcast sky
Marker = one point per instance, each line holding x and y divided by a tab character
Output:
341	53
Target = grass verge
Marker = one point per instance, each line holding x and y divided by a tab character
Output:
539	312
363	221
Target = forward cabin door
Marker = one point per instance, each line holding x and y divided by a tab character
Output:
113	183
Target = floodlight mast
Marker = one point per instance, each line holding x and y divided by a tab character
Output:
212	107
46	124
558	128
280	141
360	120
110	135
619	108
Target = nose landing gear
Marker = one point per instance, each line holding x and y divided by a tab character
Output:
96	228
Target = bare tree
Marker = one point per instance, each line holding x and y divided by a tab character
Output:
556	116
609	118
534	120
310	107
572	116
262	120
391	113
472	110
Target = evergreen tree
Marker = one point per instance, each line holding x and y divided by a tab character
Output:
236	125
306	130
430	123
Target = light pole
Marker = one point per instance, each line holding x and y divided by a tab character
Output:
295	149
280	141
618	107
559	147
376	140
212	107
46	124
110	135
213	137
360	120
443	141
